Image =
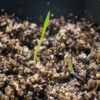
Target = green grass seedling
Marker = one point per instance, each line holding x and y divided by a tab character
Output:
70	64
71	68
42	36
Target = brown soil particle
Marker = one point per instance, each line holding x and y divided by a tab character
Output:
49	78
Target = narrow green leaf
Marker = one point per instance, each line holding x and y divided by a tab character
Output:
70	65
72	70
43	32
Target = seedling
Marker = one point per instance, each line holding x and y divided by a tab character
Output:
70	64
43	33
71	68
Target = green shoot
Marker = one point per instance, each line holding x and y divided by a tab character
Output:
43	32
72	70
70	64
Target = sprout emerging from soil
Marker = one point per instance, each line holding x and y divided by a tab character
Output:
71	68
43	32
70	64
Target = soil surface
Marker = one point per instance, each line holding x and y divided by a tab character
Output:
49	78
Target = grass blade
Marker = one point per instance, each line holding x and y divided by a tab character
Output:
43	32
70	65
72	70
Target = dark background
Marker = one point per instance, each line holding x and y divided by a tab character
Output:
33	9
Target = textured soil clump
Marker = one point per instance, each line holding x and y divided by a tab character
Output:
49	78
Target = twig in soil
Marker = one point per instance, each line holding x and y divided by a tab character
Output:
77	76
71	68
43	32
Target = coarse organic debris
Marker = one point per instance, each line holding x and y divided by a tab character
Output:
49	78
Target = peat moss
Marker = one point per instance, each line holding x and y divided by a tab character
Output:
49	78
